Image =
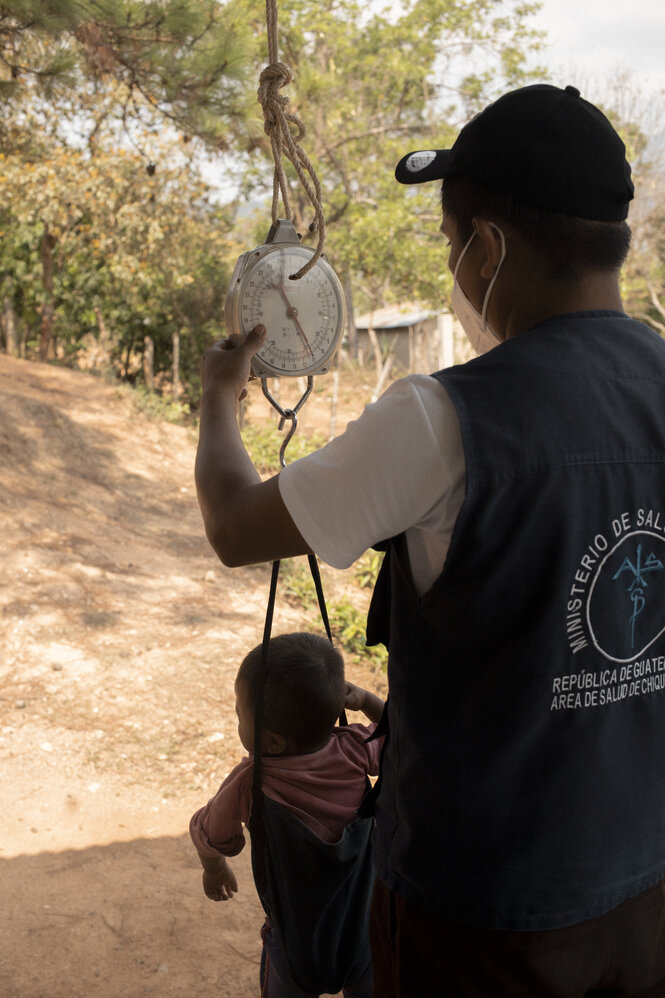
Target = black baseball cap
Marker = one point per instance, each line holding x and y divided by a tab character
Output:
541	145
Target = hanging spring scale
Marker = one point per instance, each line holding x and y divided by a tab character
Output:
303	309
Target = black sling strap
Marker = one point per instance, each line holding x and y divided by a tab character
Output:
324	934
263	669
257	829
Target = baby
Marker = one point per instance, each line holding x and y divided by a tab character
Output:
315	769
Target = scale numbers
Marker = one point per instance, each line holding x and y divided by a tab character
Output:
304	318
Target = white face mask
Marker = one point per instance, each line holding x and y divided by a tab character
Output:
474	323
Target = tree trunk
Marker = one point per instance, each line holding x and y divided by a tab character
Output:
382	376
382	366
47	309
149	362
9	325
334	400
374	341
102	359
128	357
176	366
427	359
444	323
351	330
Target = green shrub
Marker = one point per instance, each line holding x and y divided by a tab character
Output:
157	406
263	444
348	625
297	584
367	568
347	622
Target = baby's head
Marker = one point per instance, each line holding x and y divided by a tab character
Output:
303	697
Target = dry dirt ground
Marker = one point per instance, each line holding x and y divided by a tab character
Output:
120	636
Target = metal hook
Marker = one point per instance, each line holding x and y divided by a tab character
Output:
290	414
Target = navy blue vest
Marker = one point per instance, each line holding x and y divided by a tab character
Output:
523	779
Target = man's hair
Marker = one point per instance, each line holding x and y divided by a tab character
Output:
305	688
566	246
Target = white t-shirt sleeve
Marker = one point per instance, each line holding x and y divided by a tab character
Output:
399	467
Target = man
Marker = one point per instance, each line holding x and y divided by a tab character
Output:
520	841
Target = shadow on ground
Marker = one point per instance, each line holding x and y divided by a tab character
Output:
125	919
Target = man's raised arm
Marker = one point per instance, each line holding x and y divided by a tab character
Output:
245	519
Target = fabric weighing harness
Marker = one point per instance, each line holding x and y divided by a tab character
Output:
323	931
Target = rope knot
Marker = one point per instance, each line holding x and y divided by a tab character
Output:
272	79
286	131
273	73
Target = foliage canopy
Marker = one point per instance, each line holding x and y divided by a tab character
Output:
111	234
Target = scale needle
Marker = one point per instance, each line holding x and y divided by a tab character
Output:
292	313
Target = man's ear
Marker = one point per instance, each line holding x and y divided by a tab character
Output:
273	743
492	246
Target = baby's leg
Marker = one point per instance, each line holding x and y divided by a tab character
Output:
275	979
361	987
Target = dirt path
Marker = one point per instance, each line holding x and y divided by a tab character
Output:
120	637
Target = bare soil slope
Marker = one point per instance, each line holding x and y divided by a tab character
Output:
120	637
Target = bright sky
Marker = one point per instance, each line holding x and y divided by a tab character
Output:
594	39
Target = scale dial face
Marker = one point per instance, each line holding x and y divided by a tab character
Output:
304	318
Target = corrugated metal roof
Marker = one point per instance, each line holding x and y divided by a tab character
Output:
394	317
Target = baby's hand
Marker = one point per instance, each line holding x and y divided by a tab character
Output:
360	699
220	885
355	697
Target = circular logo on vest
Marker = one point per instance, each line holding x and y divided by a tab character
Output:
626	599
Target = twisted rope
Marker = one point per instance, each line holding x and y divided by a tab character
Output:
285	131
